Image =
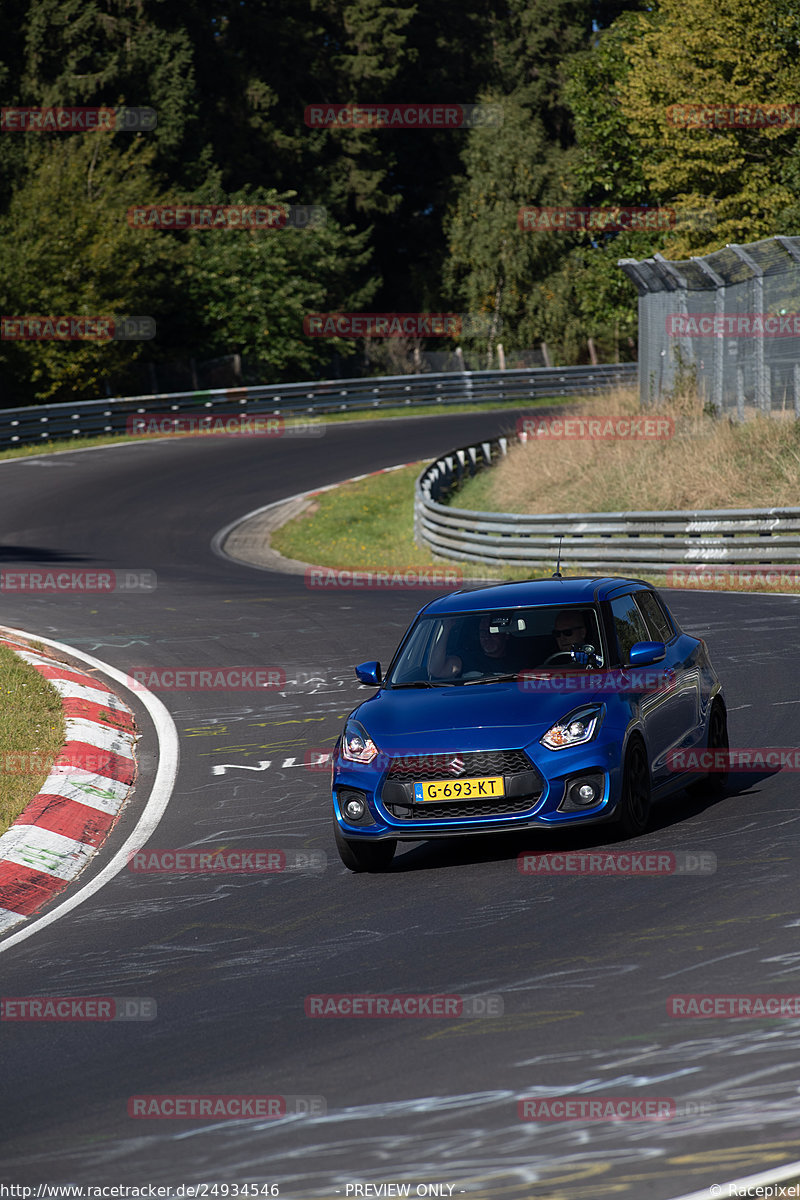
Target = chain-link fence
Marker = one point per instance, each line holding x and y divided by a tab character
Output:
730	320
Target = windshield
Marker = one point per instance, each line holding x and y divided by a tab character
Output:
479	647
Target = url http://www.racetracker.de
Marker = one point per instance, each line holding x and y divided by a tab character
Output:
59	1191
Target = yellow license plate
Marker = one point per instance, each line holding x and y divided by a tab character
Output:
460	789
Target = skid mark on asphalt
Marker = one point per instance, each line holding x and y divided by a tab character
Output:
452	1139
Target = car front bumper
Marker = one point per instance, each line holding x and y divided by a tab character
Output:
391	813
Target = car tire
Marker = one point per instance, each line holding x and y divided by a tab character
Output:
633	813
713	783
363	856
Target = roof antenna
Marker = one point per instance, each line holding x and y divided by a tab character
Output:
557	574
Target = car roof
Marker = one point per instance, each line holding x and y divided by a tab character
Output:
524	592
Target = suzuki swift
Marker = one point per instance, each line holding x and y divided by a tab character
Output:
533	705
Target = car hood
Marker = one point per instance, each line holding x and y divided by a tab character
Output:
500	716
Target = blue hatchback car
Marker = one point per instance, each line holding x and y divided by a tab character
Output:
533	705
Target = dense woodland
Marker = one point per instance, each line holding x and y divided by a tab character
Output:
416	220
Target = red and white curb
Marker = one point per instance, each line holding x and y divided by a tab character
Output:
52	841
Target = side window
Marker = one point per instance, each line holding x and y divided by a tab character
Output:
654	615
629	624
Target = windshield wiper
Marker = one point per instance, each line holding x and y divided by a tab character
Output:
419	683
493	678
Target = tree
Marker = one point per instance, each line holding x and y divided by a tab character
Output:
68	251
250	290
494	266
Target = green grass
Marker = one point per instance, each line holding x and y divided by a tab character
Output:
31	733
369	525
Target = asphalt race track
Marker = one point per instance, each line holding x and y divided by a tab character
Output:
584	965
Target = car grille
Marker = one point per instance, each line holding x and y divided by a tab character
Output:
470	808
476	763
523	785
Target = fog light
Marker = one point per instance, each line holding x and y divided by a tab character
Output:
354	809
583	791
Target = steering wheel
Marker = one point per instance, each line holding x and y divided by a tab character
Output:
559	656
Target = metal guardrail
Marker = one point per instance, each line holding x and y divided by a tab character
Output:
51	422
652	541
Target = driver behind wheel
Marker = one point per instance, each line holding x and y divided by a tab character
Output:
569	630
572	630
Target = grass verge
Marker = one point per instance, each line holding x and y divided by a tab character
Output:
31	733
707	462
368	525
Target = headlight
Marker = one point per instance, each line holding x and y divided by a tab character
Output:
575	729
357	745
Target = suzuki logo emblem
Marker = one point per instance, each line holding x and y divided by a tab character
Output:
456	765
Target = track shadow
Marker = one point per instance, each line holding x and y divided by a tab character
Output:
36	555
474	848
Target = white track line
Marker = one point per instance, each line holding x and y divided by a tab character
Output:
154	809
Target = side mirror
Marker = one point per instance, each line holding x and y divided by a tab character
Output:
644	654
369	673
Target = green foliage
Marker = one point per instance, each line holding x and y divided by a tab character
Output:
68	251
417	221
249	291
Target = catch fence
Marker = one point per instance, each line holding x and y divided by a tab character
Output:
729	320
